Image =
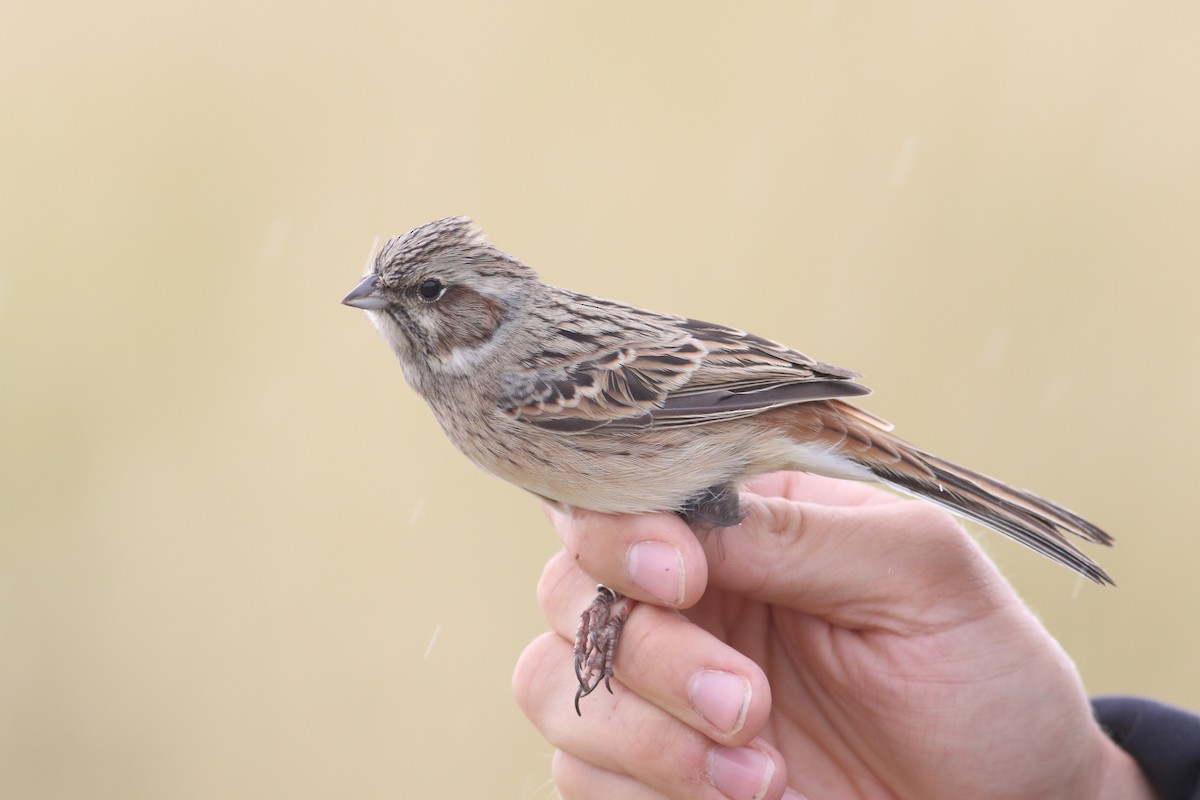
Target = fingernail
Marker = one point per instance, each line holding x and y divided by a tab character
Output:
792	794
657	569
740	773
722	698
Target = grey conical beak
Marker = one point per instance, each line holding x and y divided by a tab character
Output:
364	296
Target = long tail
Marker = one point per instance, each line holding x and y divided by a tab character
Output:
1033	521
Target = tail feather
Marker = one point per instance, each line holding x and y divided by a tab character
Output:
1063	518
1031	520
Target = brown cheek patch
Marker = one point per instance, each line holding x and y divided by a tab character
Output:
468	317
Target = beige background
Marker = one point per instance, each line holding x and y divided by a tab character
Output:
238	559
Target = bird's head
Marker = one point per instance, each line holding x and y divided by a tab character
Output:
441	296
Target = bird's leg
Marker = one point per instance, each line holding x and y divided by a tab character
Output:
714	508
596	641
600	625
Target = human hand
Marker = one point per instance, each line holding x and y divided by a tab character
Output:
841	641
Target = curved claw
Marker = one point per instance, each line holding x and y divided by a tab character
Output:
585	688
596	642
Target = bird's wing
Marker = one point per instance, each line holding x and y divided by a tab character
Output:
743	374
668	372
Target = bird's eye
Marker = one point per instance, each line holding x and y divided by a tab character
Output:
431	289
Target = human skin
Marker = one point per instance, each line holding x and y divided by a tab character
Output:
842	642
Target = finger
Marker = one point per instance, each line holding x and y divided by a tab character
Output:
576	779
889	565
669	661
625	734
804	487
654	558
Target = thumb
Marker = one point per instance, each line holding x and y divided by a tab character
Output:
893	565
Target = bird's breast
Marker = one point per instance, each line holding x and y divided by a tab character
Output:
628	472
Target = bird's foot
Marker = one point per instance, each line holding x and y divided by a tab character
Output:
596	641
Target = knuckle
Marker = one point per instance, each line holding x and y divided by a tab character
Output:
784	517
932	520
552	585
940	532
535	668
568	775
578	779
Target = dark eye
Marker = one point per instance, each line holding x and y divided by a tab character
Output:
431	289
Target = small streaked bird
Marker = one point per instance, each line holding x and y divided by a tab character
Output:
600	405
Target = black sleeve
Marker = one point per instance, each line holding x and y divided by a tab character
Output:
1164	741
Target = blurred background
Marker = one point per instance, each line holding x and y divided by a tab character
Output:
237	557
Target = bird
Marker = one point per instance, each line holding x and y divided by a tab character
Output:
596	404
